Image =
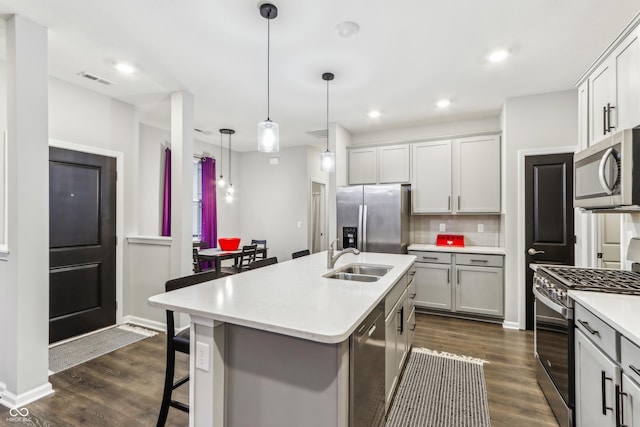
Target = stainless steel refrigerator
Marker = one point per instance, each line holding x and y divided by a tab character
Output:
374	218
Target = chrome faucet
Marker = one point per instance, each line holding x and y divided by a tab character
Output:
331	258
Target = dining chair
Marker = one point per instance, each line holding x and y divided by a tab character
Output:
247	256
262	244
300	254
263	262
197	268
178	343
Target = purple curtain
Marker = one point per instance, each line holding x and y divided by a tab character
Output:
166	203
209	208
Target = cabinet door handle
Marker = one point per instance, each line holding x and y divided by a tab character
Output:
589	328
449	203
413	295
604	120
609	108
448	276
458	203
603	383
620	407
413	327
635	370
434	258
458	276
401	325
479	260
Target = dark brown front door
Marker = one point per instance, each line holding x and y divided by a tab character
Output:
549	230
82	242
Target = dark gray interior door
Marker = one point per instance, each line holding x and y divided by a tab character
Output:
549	232
82	242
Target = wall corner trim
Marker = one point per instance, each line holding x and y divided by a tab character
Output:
510	325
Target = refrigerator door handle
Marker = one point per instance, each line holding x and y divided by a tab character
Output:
360	231
364	230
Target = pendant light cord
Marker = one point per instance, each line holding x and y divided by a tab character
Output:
268	64
327	115
230	160
220	154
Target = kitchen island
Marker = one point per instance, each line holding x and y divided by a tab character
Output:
270	346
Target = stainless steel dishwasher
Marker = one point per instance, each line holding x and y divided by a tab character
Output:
367	371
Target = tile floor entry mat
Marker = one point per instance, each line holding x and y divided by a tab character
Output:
440	390
83	349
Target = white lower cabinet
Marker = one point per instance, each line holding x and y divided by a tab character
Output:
596	379
399	329
460	282
630	402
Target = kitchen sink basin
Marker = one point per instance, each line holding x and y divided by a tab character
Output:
368	269
360	272
354	277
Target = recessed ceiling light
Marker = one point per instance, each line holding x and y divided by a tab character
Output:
374	114
125	68
443	103
498	55
347	29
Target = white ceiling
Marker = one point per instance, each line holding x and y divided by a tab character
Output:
407	55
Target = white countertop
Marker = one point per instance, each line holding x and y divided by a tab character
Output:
292	297
491	250
622	312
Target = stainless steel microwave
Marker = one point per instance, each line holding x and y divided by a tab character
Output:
607	174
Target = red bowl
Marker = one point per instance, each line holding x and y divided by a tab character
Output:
229	243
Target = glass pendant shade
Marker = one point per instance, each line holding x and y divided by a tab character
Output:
327	161
221	181
268	136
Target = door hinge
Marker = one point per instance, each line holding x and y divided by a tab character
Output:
575	239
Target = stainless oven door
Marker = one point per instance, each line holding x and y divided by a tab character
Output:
554	343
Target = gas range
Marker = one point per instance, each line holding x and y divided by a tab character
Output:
555	281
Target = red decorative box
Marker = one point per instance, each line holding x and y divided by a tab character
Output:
450	240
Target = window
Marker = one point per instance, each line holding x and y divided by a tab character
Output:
197	200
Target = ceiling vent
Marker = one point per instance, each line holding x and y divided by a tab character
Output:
95	78
320	134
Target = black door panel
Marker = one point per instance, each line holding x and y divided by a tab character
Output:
82	203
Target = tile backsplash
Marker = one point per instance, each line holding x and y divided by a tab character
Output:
425	228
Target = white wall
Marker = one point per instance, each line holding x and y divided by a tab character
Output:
274	200
537	124
435	130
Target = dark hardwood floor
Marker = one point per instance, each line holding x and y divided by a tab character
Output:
124	388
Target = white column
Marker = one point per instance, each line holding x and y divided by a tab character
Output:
181	182
24	276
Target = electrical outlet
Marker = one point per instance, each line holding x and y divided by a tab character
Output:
442	227
480	228
202	356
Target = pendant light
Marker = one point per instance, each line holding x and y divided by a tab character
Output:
327	159
230	189
221	181
268	131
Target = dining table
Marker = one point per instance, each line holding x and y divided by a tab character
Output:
216	255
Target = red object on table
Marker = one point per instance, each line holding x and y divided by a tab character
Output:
229	243
450	240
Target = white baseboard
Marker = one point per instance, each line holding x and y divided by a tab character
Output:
11	400
146	323
510	325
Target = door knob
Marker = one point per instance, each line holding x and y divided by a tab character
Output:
532	252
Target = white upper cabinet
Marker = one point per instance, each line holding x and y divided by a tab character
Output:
431	177
456	176
393	161
477	174
379	165
612	89
363	165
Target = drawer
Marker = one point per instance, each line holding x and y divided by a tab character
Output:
394	294
480	260
602	335
630	359
432	257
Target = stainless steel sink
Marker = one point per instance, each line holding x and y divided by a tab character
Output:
369	269
354	277
359	272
